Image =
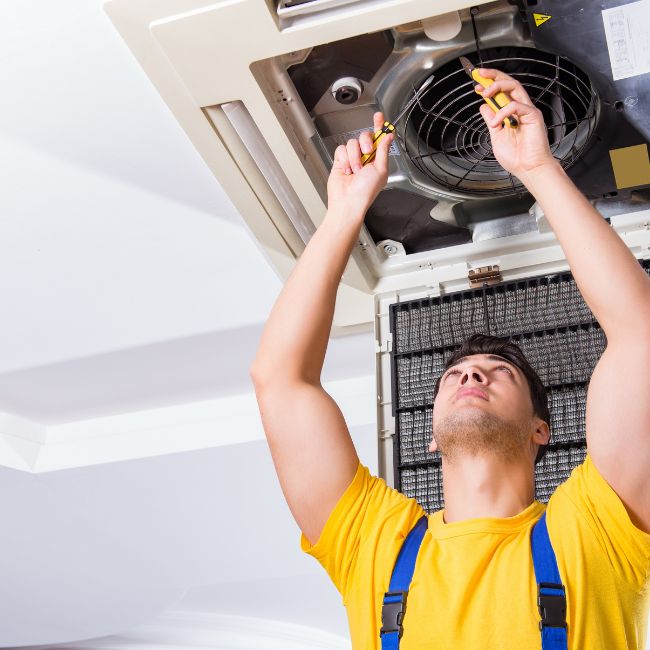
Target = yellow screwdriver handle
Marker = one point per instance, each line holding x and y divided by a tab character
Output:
498	101
384	131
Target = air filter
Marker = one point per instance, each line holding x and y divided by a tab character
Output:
549	320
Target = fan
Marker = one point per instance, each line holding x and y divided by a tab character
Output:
447	140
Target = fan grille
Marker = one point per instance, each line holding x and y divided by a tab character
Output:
447	139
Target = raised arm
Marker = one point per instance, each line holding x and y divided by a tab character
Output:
614	286
309	440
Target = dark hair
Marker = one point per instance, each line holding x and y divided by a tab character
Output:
486	344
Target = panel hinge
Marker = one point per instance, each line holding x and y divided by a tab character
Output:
484	275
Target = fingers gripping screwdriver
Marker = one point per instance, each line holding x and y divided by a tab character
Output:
389	127
495	103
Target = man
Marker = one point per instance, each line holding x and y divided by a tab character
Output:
474	584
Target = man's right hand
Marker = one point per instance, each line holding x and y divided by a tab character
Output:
308	437
352	187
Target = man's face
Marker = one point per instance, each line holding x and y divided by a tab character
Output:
483	406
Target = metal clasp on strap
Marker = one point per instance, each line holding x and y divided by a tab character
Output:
552	606
392	612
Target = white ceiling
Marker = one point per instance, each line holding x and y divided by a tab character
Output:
190	369
127	282
127	278
114	232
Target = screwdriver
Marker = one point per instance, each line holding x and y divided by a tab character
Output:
389	127
499	100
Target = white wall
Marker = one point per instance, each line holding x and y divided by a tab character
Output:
98	549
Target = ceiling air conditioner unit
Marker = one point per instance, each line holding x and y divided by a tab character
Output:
266	91
454	244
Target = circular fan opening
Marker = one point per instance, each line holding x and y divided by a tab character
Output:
448	141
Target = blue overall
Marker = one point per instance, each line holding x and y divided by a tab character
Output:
551	596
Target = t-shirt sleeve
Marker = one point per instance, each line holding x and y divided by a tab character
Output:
626	547
366	505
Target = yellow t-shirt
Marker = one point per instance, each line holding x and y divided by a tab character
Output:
474	583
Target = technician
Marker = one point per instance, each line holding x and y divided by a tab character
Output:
475	583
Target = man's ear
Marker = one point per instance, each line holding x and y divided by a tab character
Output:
542	432
434	445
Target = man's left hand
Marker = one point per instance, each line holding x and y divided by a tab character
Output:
521	149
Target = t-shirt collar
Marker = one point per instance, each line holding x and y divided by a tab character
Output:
506	525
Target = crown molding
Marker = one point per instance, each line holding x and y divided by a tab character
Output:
35	447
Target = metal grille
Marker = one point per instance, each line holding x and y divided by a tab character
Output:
546	316
448	141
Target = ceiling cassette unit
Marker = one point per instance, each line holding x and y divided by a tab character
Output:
267	90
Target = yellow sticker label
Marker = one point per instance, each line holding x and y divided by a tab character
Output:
540	19
631	165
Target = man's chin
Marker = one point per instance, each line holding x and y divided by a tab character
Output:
473	430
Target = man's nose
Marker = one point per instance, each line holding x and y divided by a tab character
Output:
473	374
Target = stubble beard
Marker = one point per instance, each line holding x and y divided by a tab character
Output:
471	431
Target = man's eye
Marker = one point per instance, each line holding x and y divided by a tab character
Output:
456	371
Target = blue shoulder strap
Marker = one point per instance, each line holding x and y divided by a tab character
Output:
394	606
551	595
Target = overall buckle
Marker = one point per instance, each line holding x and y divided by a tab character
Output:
392	612
552	607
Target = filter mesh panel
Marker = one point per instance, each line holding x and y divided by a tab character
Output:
546	316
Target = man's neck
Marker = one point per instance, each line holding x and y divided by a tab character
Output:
485	486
